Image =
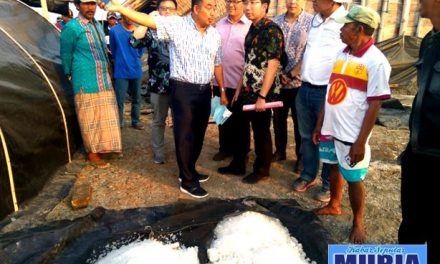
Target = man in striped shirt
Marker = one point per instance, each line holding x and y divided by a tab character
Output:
195	56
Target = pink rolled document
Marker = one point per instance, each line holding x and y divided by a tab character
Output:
251	107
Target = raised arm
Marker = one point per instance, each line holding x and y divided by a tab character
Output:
138	17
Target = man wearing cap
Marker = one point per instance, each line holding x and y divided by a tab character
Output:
84	59
357	86
64	19
195	58
112	20
322	45
421	159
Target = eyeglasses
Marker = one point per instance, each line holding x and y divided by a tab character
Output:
233	2
251	2
167	9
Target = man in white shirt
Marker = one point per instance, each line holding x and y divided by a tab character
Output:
321	49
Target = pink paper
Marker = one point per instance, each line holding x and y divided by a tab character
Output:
251	107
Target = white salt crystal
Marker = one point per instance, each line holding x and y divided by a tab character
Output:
254	238
151	251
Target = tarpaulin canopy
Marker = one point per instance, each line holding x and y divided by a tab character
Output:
36	115
402	52
192	224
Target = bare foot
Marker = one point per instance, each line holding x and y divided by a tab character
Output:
357	235
328	210
96	161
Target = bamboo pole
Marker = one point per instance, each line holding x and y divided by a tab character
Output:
9	169
44	11
404	17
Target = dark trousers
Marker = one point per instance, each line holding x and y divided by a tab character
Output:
288	96
191	106
260	122
227	139
420	184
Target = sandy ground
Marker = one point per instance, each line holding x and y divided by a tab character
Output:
135	181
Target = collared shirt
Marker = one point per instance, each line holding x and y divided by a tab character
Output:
356	79
295	39
232	35
84	56
192	54
127	60
263	42
322	46
158	62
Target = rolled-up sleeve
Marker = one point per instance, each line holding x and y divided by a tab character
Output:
218	55
166	27
274	43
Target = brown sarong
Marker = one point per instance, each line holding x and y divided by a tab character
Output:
98	120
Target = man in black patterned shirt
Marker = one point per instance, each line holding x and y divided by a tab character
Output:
159	78
264	45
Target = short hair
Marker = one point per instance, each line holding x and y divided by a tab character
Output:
268	4
367	29
160	1
194	3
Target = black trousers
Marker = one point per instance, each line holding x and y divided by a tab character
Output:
191	106
260	122
227	139
420	184
288	96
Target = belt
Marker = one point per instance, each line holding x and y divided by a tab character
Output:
314	86
190	85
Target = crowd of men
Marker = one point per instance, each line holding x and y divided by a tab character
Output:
324	67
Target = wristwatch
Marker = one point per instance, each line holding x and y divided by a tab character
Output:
222	89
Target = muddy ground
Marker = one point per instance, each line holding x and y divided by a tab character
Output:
135	181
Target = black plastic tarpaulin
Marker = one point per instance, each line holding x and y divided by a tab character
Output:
192	224
402	53
36	110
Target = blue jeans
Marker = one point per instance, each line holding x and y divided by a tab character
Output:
134	86
309	102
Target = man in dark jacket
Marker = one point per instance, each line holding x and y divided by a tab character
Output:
420	171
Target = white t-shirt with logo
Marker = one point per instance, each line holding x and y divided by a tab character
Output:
356	79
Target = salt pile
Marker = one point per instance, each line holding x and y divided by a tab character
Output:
254	238
151	251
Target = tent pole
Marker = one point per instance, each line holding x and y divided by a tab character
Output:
9	168
44	11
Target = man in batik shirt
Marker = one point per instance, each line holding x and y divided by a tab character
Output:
264	45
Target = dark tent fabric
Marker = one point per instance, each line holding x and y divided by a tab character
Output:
402	52
36	113
84	239
56	6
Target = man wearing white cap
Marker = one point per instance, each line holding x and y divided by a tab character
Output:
84	58
358	84
322	45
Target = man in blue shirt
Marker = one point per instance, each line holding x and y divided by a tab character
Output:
127	70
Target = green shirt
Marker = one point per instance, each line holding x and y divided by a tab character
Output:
84	56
